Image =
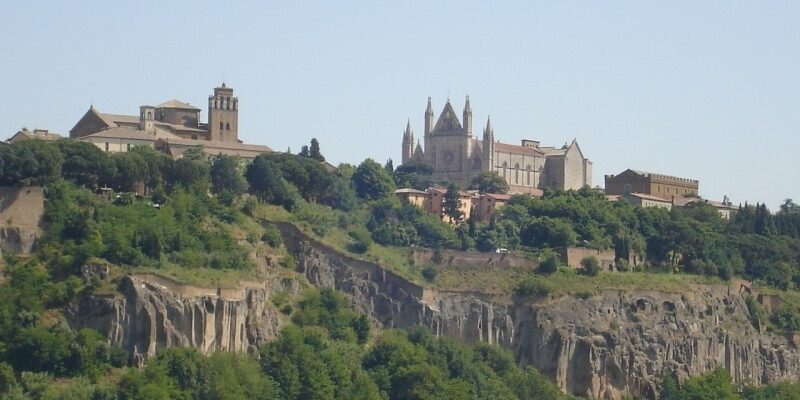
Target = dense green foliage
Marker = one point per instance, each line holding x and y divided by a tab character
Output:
717	385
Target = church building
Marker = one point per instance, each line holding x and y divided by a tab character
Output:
172	127
455	155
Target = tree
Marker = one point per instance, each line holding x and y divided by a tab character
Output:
266	181
226	175
372	181
389	166
304	152
452	203
314	151
84	163
489	182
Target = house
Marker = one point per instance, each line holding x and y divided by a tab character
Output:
25	134
646	200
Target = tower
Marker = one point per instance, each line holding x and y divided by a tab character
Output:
223	115
146	118
408	143
428	129
467	118
488	146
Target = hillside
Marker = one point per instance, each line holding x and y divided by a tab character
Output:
218	256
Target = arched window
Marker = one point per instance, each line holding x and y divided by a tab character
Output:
149	115
529	175
221	126
516	173
505	170
227	126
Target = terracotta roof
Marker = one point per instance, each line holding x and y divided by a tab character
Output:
177	104
41	134
212	144
513	148
128	133
113	120
498	196
649	197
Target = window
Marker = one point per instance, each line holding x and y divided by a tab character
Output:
227	126
106	146
149	115
129	147
220	126
516	173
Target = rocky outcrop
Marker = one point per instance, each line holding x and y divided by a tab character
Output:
608	346
21	212
151	314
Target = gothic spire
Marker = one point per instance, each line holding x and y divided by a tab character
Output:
467	118
488	130
467	108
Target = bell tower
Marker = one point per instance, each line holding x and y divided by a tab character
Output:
223	115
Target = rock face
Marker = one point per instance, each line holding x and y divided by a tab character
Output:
21	211
608	346
150	316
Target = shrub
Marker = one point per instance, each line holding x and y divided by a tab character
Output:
548	265
429	273
533	287
288	262
786	318
272	236
361	240
591	267
622	265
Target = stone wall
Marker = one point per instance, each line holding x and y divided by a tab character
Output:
572	256
425	256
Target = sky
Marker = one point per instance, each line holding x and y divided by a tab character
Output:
705	90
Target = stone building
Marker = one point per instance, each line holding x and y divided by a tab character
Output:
457	156
659	185
172	126
25	134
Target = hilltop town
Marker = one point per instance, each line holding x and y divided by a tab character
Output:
448	153
143	246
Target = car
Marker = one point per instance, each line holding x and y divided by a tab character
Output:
501	250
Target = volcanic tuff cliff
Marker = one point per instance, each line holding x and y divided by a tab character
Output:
606	346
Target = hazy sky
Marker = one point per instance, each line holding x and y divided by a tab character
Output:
706	90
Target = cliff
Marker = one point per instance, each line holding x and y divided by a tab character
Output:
606	346
151	313
21	211
610	345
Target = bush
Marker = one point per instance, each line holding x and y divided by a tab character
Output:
548	265
272	236
361	240
786	318
429	273
288	262
533	287
591	267
622	265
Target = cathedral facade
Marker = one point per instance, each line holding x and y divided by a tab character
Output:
455	155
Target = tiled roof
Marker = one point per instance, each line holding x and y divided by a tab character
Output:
177	104
113	120
212	144
128	133
649	197
513	148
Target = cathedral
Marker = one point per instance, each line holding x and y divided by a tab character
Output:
456	156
